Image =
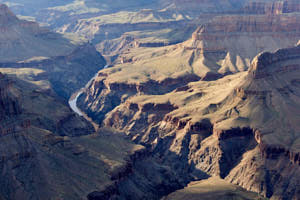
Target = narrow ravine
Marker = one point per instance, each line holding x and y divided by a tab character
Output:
73	101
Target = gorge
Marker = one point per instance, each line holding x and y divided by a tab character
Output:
160	99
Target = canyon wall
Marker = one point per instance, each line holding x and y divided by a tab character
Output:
223	128
25	44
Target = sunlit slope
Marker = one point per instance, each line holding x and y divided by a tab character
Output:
213	189
25	44
234	127
21	40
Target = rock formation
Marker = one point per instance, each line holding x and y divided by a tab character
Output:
46	150
215	105
212	189
271	7
225	45
25	44
21	34
243	127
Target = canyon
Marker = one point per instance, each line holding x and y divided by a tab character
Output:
225	128
199	107
160	99
60	58
47	150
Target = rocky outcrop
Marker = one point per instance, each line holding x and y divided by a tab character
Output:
106	94
270	8
249	24
224	128
42	49
65	72
6	15
45	145
218	189
115	30
118	175
242	127
30	39
226	44
261	66
9	103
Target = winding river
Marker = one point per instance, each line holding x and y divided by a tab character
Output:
73	100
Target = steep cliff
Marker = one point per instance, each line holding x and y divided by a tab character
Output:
243	127
90	18
271	7
225	45
25	44
28	38
153	23
47	151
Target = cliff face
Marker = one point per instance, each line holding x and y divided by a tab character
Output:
243	127
275	7
24	44
47	150
6	15
68	73
9	104
224	45
193	8
104	94
27	123
91	19
27	95
28	38
227	44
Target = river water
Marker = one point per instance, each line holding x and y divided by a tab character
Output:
75	96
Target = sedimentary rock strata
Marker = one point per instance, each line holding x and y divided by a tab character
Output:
227	127
25	44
